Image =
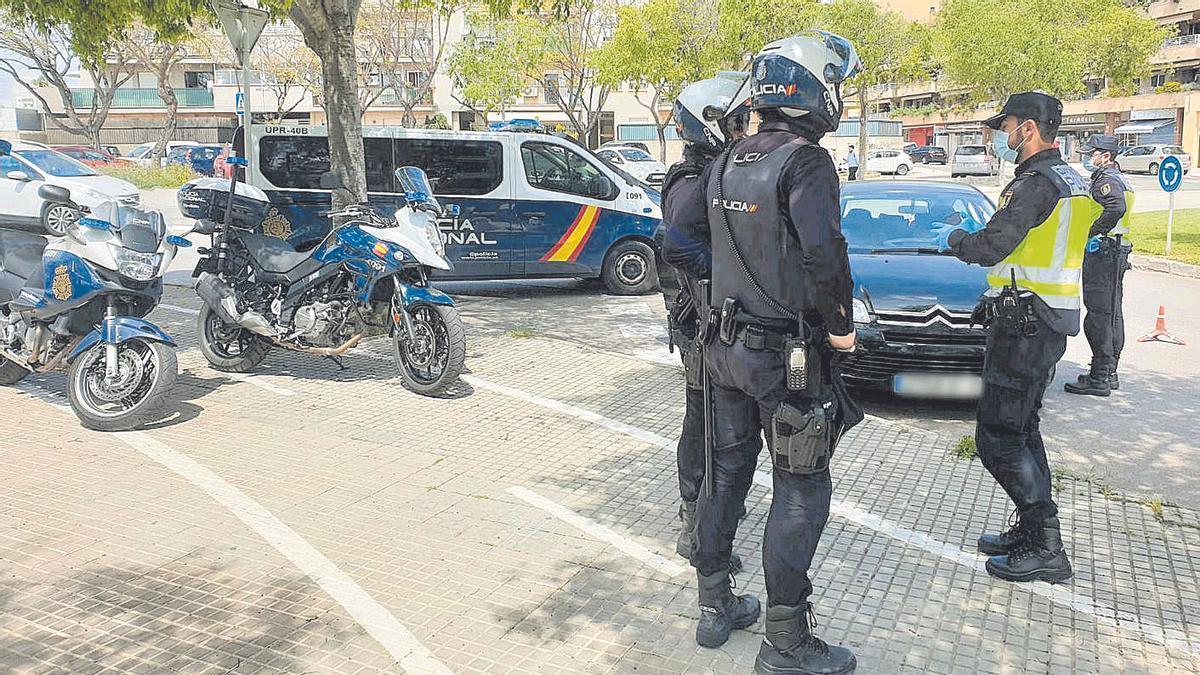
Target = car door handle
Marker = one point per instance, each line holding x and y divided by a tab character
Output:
534	217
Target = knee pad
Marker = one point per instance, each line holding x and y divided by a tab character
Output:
801	439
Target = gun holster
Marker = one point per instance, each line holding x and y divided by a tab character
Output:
801	440
728	321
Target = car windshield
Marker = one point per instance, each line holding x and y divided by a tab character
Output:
635	155
882	221
970	150
56	163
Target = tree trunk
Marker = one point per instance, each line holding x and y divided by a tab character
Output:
93	136
328	29
167	94
862	131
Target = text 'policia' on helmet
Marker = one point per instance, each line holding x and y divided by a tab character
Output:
700	109
800	76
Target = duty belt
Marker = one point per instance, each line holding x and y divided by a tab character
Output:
761	338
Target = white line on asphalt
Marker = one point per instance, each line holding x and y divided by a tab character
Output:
1175	638
259	382
604	534
402	645
181	310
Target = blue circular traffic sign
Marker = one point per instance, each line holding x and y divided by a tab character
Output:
1170	174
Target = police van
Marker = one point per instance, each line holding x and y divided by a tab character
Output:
529	205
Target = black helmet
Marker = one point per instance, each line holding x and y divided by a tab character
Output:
700	113
801	76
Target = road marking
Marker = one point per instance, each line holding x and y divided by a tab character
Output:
181	310
604	534
258	382
854	513
401	644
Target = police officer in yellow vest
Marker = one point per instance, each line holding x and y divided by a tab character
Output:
1034	246
1104	268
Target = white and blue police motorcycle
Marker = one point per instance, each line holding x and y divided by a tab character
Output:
80	301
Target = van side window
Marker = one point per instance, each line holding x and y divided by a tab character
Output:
559	169
297	162
454	167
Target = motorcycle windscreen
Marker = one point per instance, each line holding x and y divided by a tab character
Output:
416	187
138	230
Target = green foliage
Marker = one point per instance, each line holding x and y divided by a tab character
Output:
149	178
437	121
1169	88
999	47
1156	507
964	448
520	333
1150	230
488	68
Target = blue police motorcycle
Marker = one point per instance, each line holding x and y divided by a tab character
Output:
369	276
80	300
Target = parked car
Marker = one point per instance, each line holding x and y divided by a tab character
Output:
31	165
912	304
1147	158
892	162
90	156
632	144
141	154
221	167
909	147
636	162
929	154
199	157
974	160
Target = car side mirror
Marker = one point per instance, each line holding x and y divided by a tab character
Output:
330	180
204	227
51	193
17	174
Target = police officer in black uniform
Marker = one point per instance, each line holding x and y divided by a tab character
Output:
1104	268
782	292
686	259
1034	247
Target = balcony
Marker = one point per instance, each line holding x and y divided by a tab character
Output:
145	98
1178	49
1172	9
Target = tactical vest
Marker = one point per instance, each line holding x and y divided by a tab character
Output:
1049	261
1122	226
747	205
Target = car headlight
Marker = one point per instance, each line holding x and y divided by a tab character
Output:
861	313
136	266
434	235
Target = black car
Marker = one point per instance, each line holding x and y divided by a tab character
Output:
912	304
929	154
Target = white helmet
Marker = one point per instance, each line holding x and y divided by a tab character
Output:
700	113
801	76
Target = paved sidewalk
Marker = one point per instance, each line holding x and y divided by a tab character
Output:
306	519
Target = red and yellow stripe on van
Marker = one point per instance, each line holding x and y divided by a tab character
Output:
571	244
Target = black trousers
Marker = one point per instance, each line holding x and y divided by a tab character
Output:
748	387
1103	295
852	173
1016	372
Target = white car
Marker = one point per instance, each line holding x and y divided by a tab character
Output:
141	154
973	160
888	161
634	161
1147	158
32	165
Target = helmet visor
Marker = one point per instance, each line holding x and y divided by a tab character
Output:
843	59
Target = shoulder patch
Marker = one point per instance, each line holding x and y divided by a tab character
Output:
1106	189
1005	198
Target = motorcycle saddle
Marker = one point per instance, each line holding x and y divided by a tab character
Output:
272	254
20	260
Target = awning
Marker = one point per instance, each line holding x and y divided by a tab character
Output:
1143	126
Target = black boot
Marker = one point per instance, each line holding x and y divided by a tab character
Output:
1040	557
685	545
1005	542
790	648
1114	382
1095	383
721	611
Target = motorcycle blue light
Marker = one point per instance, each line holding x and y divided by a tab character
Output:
178	241
94	223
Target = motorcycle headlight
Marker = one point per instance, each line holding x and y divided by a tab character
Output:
861	313
137	266
434	235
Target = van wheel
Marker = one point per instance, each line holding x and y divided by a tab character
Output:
629	269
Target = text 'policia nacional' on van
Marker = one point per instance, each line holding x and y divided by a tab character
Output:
530	205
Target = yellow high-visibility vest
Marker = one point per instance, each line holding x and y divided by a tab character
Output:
1049	261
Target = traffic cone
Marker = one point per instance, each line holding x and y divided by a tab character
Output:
1160	333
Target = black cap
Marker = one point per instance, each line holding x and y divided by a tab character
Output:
1101	142
1029	105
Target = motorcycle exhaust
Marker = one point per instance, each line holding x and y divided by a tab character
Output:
220	297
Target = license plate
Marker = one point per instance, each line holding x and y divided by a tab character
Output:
930	385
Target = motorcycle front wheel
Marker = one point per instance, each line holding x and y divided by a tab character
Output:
146	371
431	361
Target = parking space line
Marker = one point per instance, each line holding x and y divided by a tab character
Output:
258	382
604	534
1059	595
181	310
401	644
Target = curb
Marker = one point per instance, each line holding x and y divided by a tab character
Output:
1172	267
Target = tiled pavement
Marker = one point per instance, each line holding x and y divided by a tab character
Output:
116	557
